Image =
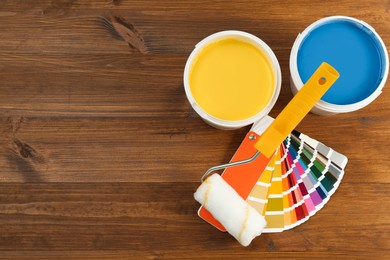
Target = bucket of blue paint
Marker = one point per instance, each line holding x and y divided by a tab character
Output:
354	49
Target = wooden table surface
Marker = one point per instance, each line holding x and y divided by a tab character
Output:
100	152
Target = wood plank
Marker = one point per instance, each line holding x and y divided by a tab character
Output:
54	26
156	217
139	149
84	85
185	254
100	152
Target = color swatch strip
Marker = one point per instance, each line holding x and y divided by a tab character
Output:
297	183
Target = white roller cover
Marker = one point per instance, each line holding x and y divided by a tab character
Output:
239	219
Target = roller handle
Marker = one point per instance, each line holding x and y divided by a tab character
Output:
322	79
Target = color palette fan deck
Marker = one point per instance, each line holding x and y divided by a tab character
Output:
297	182
294	184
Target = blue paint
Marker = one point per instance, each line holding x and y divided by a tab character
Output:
353	50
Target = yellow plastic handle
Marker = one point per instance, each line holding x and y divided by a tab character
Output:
322	79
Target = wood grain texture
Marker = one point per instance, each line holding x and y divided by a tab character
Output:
100	152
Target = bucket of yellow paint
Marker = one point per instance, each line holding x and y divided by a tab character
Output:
232	79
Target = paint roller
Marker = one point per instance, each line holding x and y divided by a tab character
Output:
239	219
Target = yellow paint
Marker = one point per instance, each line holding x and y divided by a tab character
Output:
231	80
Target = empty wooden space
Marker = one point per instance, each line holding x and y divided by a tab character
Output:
100	153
